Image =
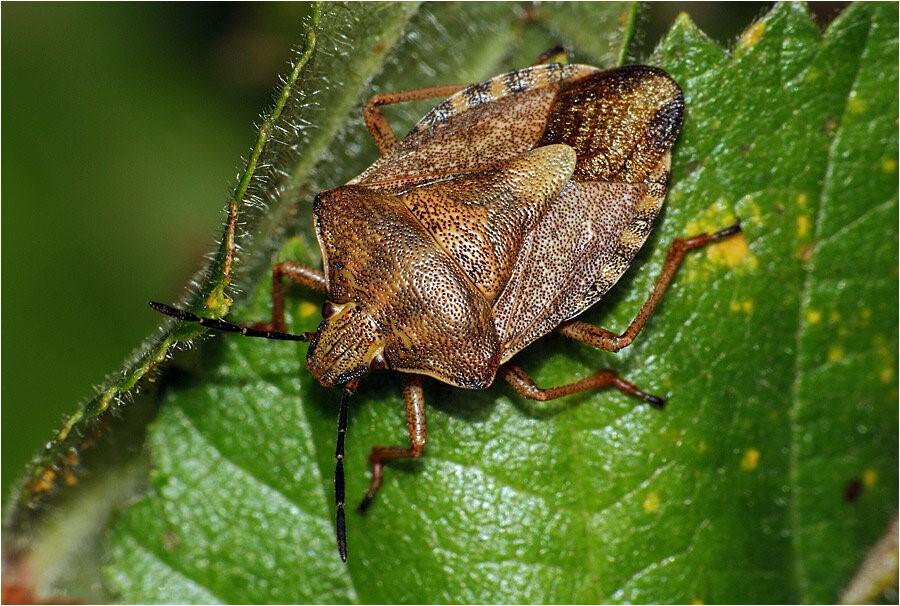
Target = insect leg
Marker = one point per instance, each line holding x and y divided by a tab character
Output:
525	386
415	427
602	338
378	125
297	273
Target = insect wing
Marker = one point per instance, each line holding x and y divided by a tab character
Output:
583	243
622	124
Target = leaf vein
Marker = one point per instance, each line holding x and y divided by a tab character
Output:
797	567
251	473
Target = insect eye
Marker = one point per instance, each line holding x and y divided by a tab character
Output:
328	309
378	362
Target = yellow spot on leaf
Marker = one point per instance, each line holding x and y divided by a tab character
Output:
856	105
697	602
651	502
732	252
888	165
866	313
834	317
836	353
750	460
886	375
802	225
745	306
870	476
307	309
751	36
749	211
713	218
802	200
813	316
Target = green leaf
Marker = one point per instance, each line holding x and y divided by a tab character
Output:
777	350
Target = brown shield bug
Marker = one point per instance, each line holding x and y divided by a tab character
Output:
509	209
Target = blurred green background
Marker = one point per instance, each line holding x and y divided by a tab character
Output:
123	129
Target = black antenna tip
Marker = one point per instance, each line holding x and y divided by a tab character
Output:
341	534
340	521
160	307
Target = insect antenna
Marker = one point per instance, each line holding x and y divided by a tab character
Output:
340	524
214	324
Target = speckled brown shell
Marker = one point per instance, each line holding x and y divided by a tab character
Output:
511	207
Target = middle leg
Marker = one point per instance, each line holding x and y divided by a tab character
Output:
414	399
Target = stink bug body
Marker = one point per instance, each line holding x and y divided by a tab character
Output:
510	208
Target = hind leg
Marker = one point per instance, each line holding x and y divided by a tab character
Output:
602	379
602	338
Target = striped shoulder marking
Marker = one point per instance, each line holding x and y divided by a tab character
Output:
510	83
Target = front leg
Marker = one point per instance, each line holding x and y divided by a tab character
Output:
269	330
297	273
414	399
